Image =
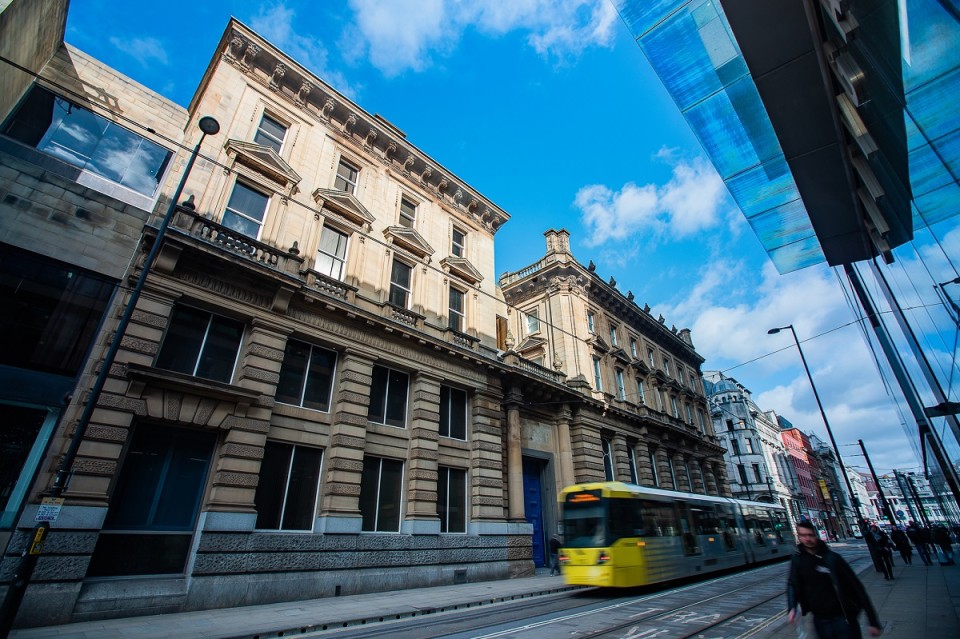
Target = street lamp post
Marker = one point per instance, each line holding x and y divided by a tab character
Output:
826	423
31	554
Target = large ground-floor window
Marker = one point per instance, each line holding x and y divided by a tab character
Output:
153	511
381	487
286	496
24	433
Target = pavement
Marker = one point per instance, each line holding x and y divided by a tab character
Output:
920	602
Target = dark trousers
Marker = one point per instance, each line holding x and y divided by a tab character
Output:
836	628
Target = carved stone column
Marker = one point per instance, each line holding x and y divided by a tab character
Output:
344	463
515	509
679	467
621	464
663	469
421	494
696	471
565	447
644	470
723	484
710	479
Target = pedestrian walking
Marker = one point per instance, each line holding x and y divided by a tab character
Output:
902	543
882	551
921	540
555	544
821	582
941	537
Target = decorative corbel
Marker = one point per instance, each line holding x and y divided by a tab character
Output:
249	54
302	94
235	50
425	176
371	136
474	203
457	196
349	123
278	72
442	185
408	162
327	108
390	149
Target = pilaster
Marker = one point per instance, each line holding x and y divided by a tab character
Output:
486	458
421	494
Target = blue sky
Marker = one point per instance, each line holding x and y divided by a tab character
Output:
549	109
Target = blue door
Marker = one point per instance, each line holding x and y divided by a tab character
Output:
533	507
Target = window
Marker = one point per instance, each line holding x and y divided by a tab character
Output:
286	497
458	243
730	425
613	336
591	322
680	374
77	136
743	474
621	391
408	213
686	469
597	380
689	414
651	357
735	444
666	367
453	413
659	396
457	319
24	435
381	485
306	375
632	460
676	409
607	446
400	284
756	473
270	133
201	344
346	179
633	347
673	472
703	424
49	312
653	467
748	444
641	399
332	254
245	210
533	321
388	397
153	510
452	499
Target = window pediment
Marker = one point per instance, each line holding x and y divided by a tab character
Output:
408	239
264	161
462	268
344	204
599	344
530	344
621	355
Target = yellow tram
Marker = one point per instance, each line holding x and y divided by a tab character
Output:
620	535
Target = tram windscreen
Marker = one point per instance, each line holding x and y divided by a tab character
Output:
584	520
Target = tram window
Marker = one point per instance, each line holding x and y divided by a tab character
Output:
625	519
660	519
705	521
583	521
728	521
778	524
684	516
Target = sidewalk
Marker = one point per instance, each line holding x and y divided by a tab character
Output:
920	603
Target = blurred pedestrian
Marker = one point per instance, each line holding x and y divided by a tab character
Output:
883	551
902	543
822	583
941	537
555	545
921	540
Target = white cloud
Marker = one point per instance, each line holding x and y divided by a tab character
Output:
688	203
275	23
398	35
146	51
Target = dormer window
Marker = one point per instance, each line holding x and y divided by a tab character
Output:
408	213
346	179
270	133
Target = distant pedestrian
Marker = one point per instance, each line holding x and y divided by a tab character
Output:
822	583
941	537
555	544
921	540
882	551
902	543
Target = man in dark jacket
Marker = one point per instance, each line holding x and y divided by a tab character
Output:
823	583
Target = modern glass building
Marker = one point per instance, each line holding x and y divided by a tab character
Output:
834	125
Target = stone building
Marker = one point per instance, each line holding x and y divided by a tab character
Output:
641	414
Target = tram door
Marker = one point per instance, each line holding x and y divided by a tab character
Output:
533	507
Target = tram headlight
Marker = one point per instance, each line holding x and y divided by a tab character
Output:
603	558
563	558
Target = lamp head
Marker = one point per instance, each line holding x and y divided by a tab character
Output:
208	125
774	331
